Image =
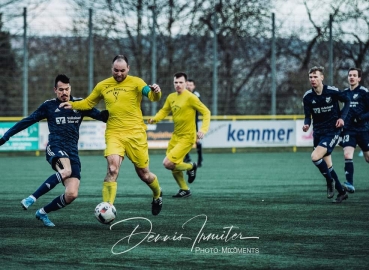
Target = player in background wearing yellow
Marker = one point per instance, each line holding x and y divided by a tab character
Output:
183	105
125	130
192	87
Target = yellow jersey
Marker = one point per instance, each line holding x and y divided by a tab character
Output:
122	100
183	108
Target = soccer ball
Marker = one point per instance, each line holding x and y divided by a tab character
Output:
105	212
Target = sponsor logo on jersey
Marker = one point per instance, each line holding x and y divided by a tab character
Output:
57	110
313	102
60	120
316	110
73	119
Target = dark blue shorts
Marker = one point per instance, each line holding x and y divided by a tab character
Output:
54	153
353	138
328	141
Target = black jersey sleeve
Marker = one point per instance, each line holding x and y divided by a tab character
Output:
36	116
307	108
344	98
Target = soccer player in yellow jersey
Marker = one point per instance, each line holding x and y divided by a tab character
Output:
125	130
183	106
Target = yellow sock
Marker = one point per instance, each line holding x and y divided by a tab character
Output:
155	187
183	166
178	176
109	191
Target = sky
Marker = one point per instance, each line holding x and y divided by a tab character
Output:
55	15
48	17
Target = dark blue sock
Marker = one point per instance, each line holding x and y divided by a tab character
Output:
349	171
337	185
56	204
48	185
323	168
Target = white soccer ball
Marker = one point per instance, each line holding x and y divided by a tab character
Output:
105	212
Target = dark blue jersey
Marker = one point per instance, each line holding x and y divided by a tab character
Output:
365	115
358	107
63	124
324	109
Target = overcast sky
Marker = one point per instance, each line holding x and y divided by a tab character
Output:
55	15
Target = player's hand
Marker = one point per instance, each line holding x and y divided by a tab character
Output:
155	88
65	105
200	135
104	115
151	121
305	128
2	141
340	123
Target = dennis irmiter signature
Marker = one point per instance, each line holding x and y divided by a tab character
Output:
146	234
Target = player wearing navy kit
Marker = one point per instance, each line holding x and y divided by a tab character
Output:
62	147
321	104
356	129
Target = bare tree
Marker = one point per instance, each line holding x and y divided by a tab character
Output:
185	41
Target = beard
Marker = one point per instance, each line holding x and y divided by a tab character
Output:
119	78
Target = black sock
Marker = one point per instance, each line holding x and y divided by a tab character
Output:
337	185
48	185
323	168
56	204
349	171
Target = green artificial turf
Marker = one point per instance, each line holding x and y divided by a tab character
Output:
279	198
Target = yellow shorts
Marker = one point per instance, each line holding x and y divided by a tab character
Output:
133	144
178	147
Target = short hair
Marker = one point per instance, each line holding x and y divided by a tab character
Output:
317	68
120	57
190	80
359	71
180	74
61	78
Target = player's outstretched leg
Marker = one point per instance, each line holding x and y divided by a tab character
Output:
48	185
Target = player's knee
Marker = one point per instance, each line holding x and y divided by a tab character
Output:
70	196
315	156
65	173
168	164
113	170
145	177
